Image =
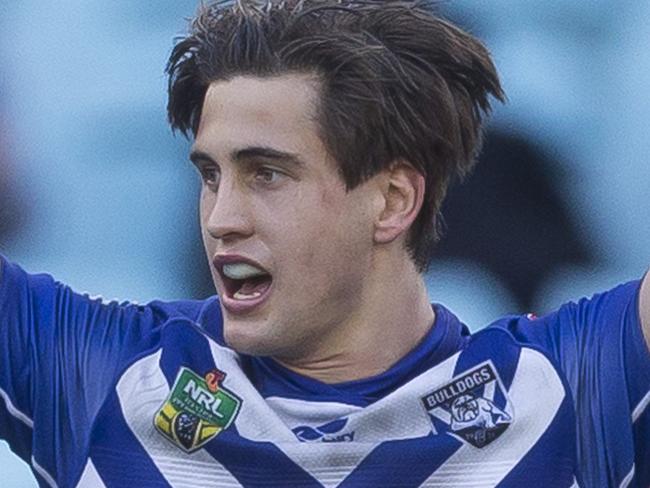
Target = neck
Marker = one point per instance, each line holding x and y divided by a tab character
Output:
393	317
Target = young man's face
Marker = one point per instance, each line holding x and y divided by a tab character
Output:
288	245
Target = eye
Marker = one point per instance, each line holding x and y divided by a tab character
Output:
267	175
210	175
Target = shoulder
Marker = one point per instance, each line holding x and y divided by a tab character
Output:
205	314
604	318
194	310
511	355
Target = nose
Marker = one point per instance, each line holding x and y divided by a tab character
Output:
225	212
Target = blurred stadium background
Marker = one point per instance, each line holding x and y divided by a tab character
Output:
96	191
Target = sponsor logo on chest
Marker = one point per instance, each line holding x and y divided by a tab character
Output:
329	432
196	409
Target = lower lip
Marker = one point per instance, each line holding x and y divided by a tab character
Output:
240	307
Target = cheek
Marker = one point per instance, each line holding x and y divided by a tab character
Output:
205	207
335	238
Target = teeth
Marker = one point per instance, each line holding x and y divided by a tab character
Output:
241	271
243	296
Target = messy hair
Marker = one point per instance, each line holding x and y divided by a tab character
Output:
398	83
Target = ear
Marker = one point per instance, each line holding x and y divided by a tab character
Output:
403	194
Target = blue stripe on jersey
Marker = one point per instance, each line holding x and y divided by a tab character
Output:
183	344
402	463
210	319
551	458
270	468
496	345
118	456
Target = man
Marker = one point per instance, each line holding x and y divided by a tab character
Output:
326	133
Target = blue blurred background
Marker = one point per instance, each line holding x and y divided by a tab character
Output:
95	190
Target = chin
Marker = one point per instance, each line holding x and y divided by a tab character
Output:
247	338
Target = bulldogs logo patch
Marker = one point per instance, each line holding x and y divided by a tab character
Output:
473	407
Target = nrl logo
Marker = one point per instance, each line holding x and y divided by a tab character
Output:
473	406
197	409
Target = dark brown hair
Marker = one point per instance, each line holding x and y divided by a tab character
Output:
398	83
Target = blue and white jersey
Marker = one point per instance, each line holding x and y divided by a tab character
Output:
109	395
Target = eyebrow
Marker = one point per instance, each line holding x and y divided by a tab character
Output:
251	152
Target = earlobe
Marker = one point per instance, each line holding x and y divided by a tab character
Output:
403	194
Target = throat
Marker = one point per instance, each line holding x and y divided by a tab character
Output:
362	352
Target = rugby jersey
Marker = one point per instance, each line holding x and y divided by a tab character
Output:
96	394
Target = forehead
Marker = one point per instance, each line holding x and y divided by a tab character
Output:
278	112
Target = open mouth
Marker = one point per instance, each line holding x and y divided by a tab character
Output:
244	283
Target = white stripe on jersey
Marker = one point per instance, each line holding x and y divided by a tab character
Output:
258	422
90	477
11	408
141	391
628	478
536	394
295	412
44	474
638	410
380	422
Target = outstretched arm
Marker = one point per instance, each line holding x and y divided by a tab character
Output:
644	308
59	348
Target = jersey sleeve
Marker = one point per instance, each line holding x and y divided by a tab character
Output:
59	355
598	343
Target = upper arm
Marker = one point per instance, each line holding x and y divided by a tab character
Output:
644	308
59	353
599	345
